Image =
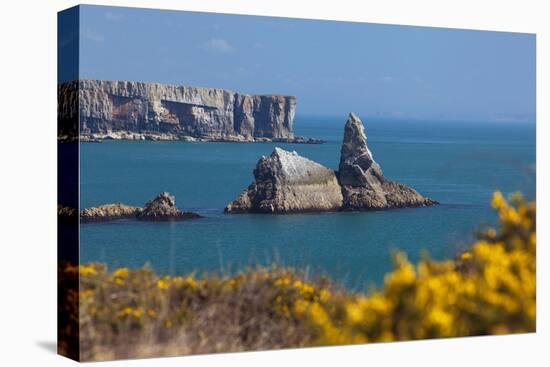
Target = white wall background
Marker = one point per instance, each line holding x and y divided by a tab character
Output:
28	181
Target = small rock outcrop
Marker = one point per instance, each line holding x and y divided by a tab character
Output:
364	186
108	212
288	183
161	208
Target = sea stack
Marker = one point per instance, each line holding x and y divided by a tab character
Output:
288	183
364	186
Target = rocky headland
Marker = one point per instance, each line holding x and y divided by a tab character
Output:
129	110
285	182
161	208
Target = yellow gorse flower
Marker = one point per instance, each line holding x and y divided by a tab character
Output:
132	312
162	283
87	270
121	273
489	289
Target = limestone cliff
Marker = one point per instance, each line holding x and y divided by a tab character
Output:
285	183
137	110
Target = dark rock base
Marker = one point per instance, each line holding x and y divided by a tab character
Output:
104	219
394	195
155	136
169	218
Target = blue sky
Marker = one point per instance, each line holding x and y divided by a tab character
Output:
332	67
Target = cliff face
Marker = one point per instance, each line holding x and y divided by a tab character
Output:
107	107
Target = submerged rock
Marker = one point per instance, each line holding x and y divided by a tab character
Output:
161	208
364	186
285	183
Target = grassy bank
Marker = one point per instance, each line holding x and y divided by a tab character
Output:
488	289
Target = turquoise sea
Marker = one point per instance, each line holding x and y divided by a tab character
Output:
457	163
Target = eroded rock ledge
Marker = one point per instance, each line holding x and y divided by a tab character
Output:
161	208
129	110
285	182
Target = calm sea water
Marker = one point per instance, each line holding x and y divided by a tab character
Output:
457	163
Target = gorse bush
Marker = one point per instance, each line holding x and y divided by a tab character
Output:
488	289
137	313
